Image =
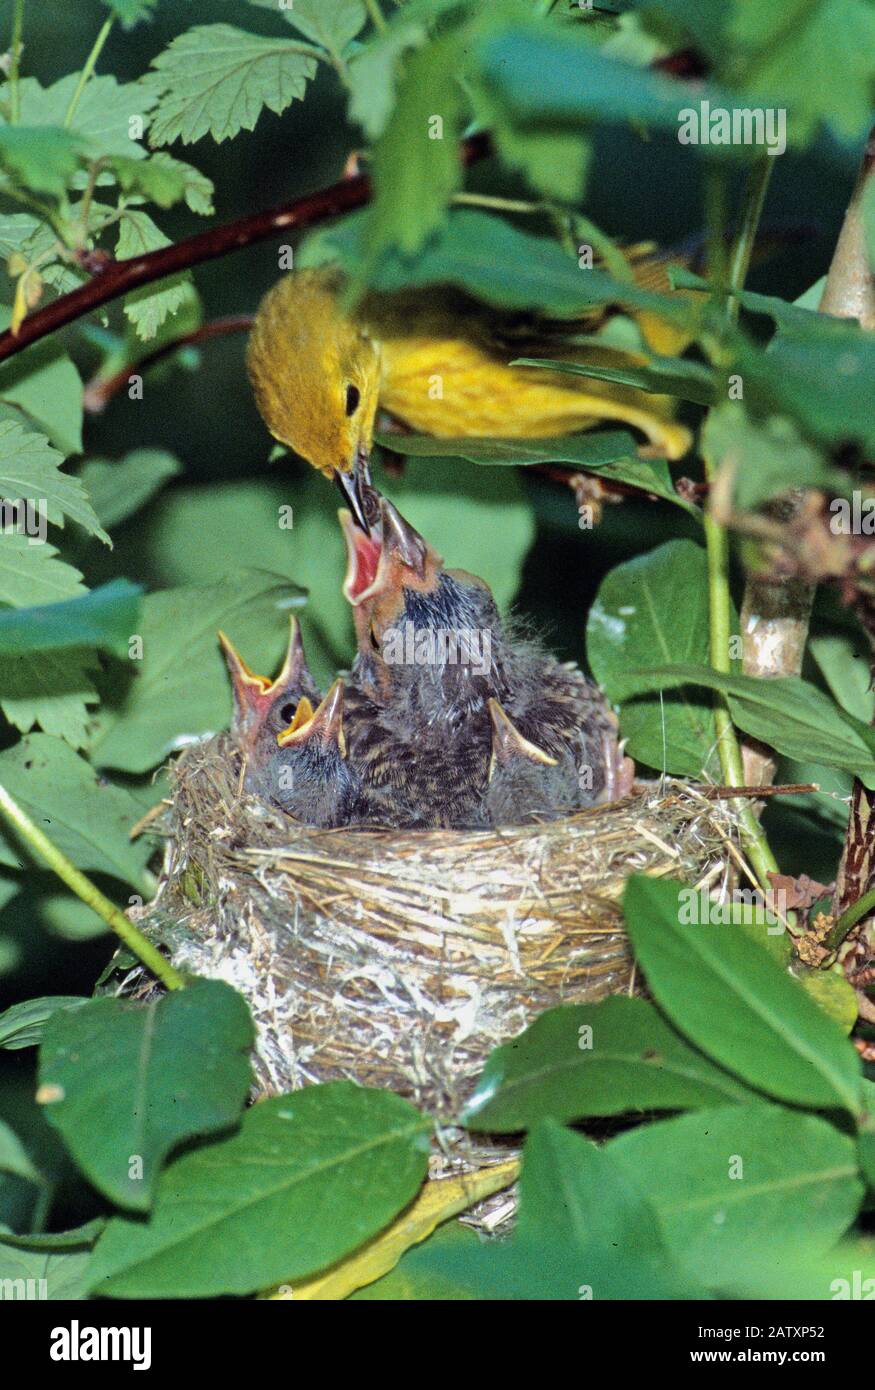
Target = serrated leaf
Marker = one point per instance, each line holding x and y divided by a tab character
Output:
598	1059
634	617
731	1183
124	1084
166	181
32	573
118	488
309	1177
44	385
107	114
147	308
30	471
88	818
331	23
722	989
215	79
23	1025
180	689
130	12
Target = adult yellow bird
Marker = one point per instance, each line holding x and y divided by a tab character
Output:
439	364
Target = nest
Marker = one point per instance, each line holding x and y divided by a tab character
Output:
399	959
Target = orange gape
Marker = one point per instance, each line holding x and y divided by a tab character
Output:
440	365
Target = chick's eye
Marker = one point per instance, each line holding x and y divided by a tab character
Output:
353	396
287	713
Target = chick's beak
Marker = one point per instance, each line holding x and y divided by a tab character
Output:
508	742
326	723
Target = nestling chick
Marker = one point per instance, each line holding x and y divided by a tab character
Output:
309	775
262	707
525	783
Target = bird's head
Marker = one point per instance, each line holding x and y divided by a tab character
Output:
309	776
263	707
386	566
316	376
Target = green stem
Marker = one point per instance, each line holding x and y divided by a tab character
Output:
377	17
727	275
15	60
82	886
90	64
849	918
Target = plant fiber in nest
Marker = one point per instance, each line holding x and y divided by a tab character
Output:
399	959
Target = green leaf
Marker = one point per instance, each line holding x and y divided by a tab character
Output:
331	23
166	181
106	617
180	689
107	112
30	471
596	1059
785	712
63	1272
79	1238
125	1083
31	572
729	1184
41	158
766	458
86	817
671	376
14	1158
309	1177
130	12
721	988
50	690
844	665
634	616
611	454
44	384
118	488
215	79
23	1024
373	72
489	259
416	165
147	308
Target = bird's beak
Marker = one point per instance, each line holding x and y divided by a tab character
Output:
253	695
373	561
326	723
508	742
358	492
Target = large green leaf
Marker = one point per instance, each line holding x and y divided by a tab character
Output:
731	1184
106	114
595	1059
180	689
30	471
119	487
611	454
215	79
125	1083
83	815
62	1270
633	618
785	712
42	158
309	1177
722	989
106	617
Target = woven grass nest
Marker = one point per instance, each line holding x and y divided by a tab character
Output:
400	959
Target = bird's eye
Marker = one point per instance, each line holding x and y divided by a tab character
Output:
287	713
353	396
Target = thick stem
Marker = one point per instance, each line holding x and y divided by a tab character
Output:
42	847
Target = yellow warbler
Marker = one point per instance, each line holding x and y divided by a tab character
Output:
438	363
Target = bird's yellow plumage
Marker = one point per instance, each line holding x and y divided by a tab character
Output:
433	361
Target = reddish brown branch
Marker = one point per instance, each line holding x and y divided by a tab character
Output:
100	390
120	277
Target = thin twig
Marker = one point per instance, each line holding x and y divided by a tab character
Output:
100	390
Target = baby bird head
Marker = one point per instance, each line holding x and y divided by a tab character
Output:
309	775
315	373
262	707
